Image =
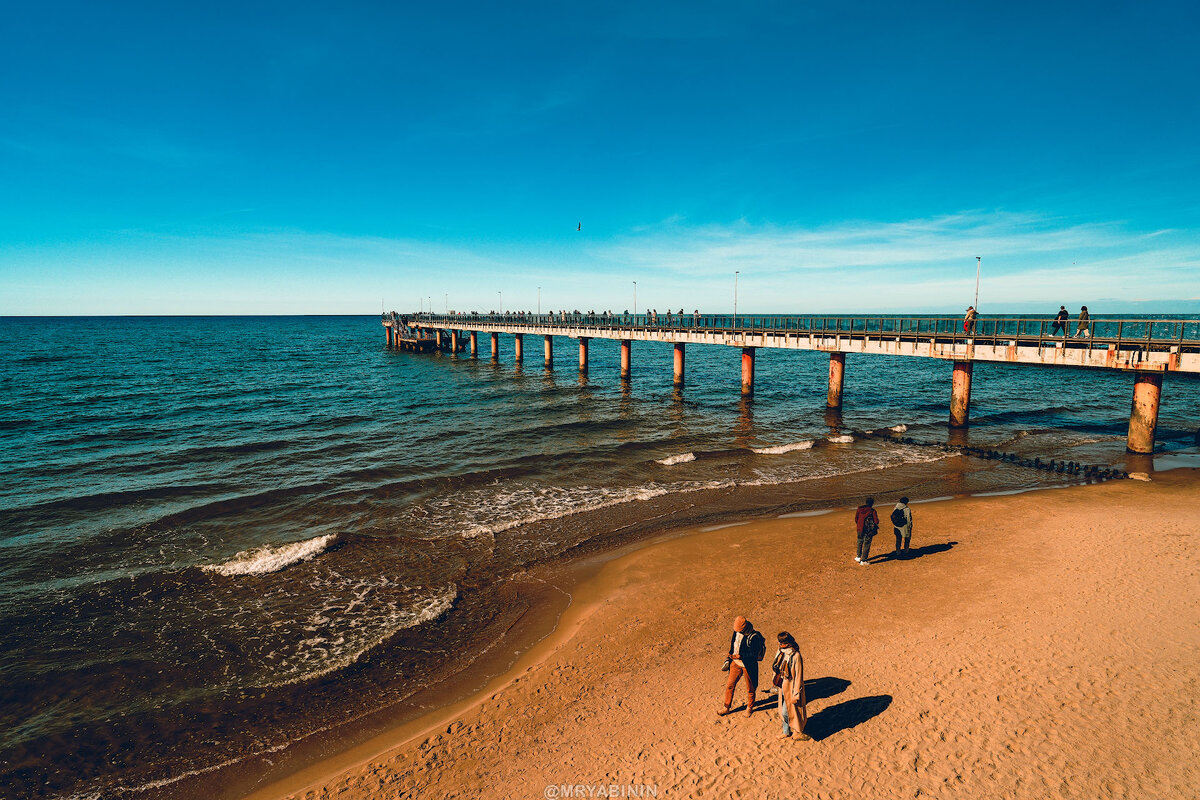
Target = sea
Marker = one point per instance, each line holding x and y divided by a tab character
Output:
231	544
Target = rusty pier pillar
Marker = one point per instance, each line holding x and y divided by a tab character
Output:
439	339
1143	416
679	361
391	336
474	344
519	347
453	341
583	354
549	350
837	377
495	346
626	358
747	371
960	395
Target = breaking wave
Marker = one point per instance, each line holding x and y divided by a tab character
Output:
267	558
682	458
784	448
843	439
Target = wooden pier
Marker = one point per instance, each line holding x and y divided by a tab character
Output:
1149	349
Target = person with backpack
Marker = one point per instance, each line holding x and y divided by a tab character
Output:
902	524
747	647
866	520
1084	323
1060	322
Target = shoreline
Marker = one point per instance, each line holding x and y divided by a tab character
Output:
597	582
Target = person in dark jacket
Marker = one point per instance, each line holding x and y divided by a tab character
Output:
1060	321
866	521
746	648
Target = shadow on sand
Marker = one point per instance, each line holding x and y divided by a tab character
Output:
915	552
814	689
844	716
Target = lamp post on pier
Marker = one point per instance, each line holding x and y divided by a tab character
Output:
735	283
635	297
539	301
978	266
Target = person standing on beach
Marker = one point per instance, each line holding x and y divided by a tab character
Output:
789	671
1060	321
902	524
866	520
746	648
1082	330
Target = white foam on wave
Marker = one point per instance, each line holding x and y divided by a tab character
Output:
780	449
898	428
845	438
267	558
682	458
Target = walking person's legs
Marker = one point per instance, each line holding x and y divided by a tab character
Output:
783	713
866	549
751	688
899	540
735	673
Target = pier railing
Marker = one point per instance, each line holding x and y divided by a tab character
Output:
1142	333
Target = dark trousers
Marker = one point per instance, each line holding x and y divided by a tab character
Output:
864	545
901	540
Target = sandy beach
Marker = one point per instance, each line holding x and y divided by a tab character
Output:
1036	645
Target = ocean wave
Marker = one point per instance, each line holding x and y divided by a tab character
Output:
845	438
682	458
350	645
783	448
898	428
262	560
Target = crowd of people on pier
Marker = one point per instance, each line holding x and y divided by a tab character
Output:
748	647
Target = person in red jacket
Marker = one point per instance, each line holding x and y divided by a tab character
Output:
866	520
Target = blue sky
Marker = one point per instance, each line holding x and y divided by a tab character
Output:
304	158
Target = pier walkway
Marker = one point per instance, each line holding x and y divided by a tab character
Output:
1148	348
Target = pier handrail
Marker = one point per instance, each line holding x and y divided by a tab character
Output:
1123	332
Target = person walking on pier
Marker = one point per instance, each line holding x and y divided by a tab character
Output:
1060	321
1084	322
789	677
969	320
902	525
746	648
866	520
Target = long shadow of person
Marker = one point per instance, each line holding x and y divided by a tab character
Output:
916	552
843	716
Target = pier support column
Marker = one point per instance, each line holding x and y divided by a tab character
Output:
626	346
678	364
474	344
549	351
837	376
495	346
747	370
960	396
439	339
519	347
583	354
453	341
391	337
1143	416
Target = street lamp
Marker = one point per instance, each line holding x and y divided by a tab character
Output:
635	297
978	265
446	300
539	301
501	302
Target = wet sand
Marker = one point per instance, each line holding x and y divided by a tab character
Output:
1037	645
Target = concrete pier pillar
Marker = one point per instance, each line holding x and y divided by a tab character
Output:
391	337
453	341
549	351
583	354
626	346
495	346
960	396
1143	416
837	376
678	364
474	344
439	339
747	370
519	347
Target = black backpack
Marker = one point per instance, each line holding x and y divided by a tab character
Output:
898	518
